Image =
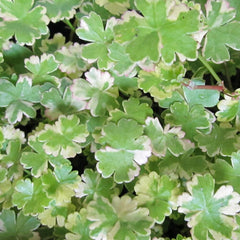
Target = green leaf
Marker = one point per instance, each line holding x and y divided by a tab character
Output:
38	160
64	137
183	166
23	21
94	184
11	160
205	97
57	104
191	119
91	29
125	149
222	31
97	90
173	23
19	99
158	194
70	60
30	196
41	67
17	228
222	140
163	81
61	184
60	9
78	225
133	109
166	139
229	110
119	219
116	7
209	215
226	173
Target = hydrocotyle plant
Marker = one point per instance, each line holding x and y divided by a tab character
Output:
119	119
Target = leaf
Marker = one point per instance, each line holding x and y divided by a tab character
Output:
32	21
60	9
226	173
57	104
163	81
183	166
41	67
11	160
116	7
156	34
229	109
64	137
94	184
91	29
19	227
55	215
98	90
38	160
191	119
157	194
166	139
30	196
222	31
125	149
70	60
205	97
19	99
61	183
222	140
119	219
78	225
209	215
133	109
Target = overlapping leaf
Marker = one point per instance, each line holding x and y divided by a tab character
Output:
97	90
209	214
64	137
133	109
222	140
30	196
41	68
91	29
59	9
163	81
70	60
191	119
224	173
166	139
126	148
57	104
17	227
158	194
119	219
157	34
222	32
38	160
23	20
78	225
60	183
19	99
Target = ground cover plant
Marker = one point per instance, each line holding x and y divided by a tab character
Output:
119	119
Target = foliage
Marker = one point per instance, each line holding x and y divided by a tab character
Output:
121	124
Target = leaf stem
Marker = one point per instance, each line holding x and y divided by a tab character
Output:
210	69
67	22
